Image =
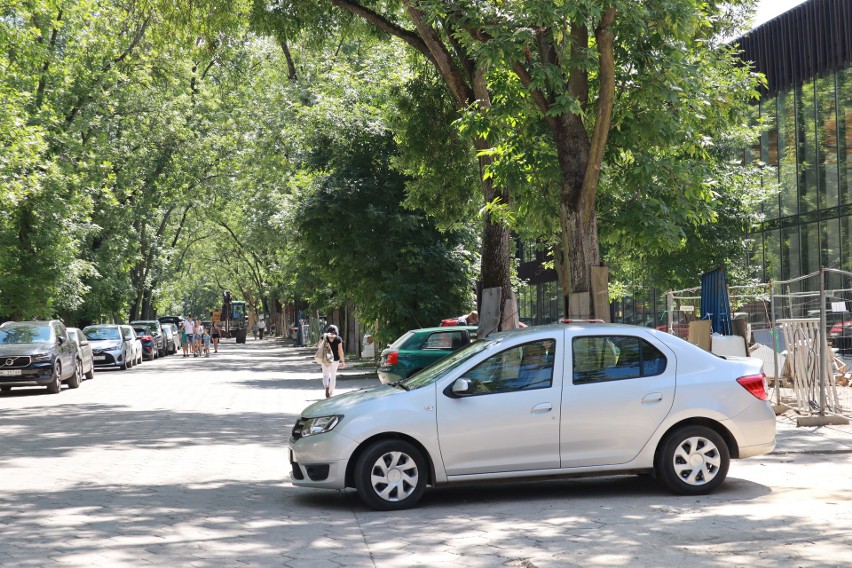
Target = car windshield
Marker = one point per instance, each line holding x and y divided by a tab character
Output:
142	330
24	334
432	373
101	333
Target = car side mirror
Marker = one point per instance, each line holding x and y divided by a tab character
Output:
459	388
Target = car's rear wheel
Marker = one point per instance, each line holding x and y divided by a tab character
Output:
90	374
693	460
55	385
77	378
390	475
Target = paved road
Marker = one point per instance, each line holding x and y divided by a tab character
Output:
182	462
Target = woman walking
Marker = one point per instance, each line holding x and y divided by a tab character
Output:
331	337
214	335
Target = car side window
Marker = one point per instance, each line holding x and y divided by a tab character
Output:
443	340
520	368
613	358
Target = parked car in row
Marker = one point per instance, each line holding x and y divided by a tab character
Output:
84	351
562	400
419	348
155	329
129	335
148	341
112	345
173	341
38	353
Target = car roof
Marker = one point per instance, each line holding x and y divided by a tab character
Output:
444	328
101	325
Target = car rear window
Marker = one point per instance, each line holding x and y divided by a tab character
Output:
445	340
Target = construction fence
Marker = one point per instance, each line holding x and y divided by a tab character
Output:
800	328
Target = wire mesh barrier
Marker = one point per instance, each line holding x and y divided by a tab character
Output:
801	329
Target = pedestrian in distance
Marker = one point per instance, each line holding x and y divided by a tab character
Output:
331	338
206	342
199	337
215	334
189	332
254	330
261	328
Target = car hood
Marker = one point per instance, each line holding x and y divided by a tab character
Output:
105	343
339	404
23	349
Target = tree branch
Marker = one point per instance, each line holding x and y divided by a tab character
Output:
606	57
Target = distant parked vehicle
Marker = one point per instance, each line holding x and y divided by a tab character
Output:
128	334
84	351
38	353
155	329
172	334
419	348
110	347
149	345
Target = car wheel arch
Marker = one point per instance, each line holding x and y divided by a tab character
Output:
363	446
730	441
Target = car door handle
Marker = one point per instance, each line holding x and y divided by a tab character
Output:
543	408
653	397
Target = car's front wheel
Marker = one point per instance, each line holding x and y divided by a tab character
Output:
693	460
390	475
55	385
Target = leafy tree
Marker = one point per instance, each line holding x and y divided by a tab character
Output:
647	71
355	235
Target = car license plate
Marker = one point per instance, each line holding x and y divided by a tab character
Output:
10	373
100	357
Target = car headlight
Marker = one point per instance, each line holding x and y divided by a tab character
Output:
319	425
40	357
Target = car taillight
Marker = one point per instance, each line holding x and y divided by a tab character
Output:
755	384
392	358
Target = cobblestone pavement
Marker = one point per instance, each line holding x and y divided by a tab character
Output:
183	462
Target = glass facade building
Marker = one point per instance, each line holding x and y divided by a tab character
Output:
806	107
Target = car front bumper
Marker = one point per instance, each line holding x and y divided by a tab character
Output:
38	374
320	460
108	358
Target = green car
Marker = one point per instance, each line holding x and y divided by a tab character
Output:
419	348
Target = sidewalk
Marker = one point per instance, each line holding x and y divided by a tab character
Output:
811	439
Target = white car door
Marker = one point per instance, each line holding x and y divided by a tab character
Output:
618	390
509	421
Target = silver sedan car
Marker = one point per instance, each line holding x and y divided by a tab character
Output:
562	400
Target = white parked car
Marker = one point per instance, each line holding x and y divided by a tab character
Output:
129	335
84	351
559	400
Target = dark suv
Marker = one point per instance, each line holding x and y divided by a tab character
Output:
38	353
